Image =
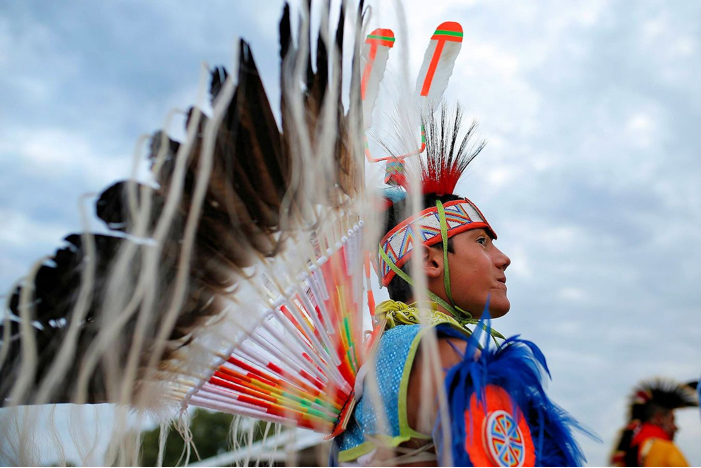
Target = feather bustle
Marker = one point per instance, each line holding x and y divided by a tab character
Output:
250	191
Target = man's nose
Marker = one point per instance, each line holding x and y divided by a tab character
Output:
502	260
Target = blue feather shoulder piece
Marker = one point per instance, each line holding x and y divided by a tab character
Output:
500	413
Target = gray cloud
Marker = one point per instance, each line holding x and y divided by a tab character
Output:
609	222
591	175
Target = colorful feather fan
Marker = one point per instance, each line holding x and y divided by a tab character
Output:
299	363
235	280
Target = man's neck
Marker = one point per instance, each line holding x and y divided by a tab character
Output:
649	430
429	303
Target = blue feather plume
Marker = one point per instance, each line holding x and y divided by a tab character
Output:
517	366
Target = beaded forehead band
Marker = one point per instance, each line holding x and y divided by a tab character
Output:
397	246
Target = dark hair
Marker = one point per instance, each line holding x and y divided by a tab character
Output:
400	290
651	410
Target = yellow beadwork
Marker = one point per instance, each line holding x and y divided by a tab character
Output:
399	313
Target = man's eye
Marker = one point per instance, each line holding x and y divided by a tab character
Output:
482	240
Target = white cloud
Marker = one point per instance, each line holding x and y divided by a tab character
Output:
671	43
488	59
688	437
640	123
11	270
567	328
28	52
654	28
572	294
642	130
21	230
55	152
582	361
560	238
4	41
520	263
684	47
592	163
501	176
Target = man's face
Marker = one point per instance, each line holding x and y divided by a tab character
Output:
476	271
668	424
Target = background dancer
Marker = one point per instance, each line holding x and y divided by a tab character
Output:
648	438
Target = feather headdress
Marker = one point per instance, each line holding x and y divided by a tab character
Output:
447	153
660	393
431	84
447	156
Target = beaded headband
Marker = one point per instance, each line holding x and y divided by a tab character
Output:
460	216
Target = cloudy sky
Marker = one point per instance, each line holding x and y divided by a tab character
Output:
591	174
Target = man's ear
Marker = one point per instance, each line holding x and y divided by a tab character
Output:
432	262
658	418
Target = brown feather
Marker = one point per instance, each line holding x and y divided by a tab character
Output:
240	220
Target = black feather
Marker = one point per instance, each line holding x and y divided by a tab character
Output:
651	395
285	30
219	76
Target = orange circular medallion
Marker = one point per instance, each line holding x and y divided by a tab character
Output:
500	435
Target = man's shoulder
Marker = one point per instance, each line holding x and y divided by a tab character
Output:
660	452
400	332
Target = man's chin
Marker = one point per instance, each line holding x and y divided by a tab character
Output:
499	308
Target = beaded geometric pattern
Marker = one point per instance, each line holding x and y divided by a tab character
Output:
504	439
460	216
